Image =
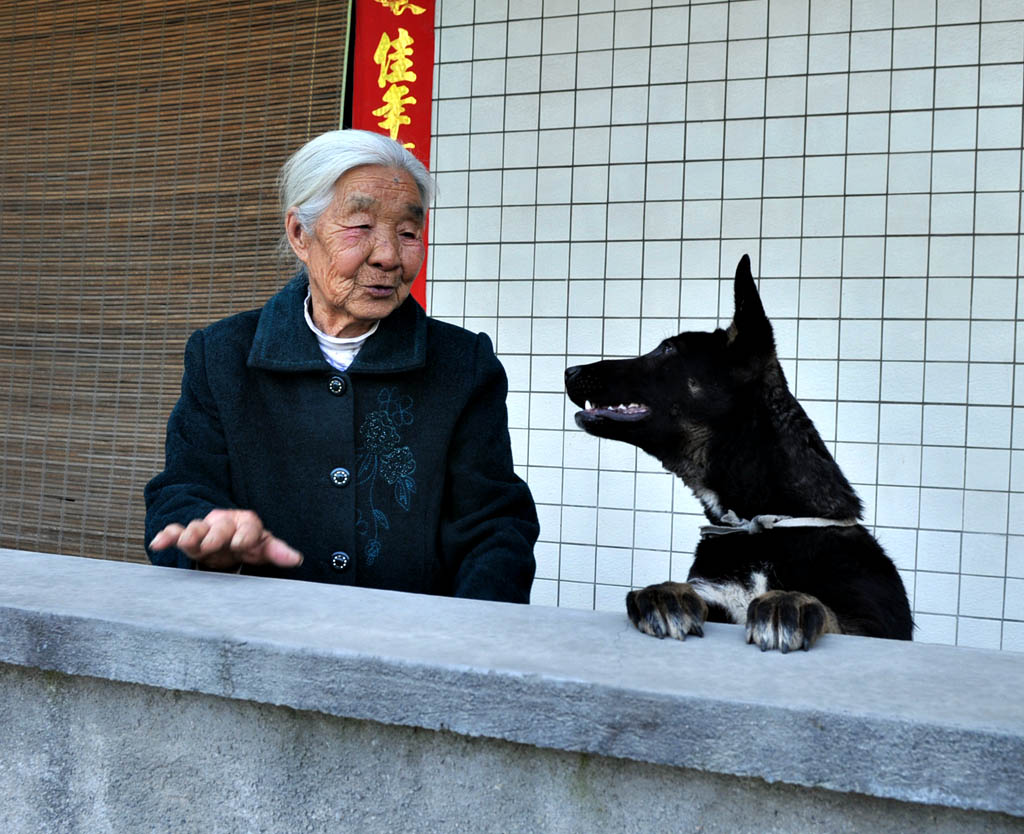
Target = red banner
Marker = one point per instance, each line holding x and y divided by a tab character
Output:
393	78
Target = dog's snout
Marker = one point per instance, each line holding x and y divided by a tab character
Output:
572	373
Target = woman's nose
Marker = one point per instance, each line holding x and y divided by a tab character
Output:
385	250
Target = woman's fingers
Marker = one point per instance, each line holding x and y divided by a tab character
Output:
225	538
277	552
218	536
168	537
191	539
248	531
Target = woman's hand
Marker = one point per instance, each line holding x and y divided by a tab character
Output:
225	539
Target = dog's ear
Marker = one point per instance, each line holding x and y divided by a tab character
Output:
750	328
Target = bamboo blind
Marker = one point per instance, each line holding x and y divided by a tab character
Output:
141	140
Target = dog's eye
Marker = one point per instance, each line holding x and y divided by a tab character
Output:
664	349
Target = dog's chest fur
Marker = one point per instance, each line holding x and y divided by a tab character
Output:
731	598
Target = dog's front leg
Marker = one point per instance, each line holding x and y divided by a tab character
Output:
671	609
788	620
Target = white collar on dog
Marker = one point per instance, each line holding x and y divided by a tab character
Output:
732	523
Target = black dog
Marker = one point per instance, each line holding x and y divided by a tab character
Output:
714	408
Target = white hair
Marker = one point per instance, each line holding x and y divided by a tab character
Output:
307	179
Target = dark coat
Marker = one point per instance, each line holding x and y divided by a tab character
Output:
396	474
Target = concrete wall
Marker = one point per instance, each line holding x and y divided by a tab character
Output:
135	698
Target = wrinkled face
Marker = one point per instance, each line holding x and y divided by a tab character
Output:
364	251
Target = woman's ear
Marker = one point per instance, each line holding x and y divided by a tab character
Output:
296	235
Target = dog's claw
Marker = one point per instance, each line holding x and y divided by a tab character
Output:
788	620
671	609
654	627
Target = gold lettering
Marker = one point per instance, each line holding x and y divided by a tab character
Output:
396	99
395	60
399	6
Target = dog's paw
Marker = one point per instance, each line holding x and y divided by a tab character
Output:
788	620
671	609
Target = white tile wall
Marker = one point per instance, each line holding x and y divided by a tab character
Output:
603	163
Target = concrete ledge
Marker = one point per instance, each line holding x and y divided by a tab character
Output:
923	724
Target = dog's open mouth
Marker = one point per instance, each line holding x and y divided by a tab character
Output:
622	411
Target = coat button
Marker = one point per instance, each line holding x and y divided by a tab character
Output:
337	385
340	476
340	561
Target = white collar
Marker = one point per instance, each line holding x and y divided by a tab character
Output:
347	342
732	523
338	351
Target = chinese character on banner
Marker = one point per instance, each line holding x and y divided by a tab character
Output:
399	6
394	57
392	70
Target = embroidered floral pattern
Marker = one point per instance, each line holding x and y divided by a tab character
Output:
381	455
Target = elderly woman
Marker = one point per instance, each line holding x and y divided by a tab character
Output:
372	440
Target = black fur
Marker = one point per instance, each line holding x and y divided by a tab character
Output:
715	409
